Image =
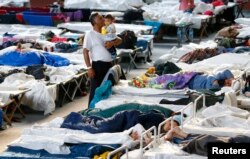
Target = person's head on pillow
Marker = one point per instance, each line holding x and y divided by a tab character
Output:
176	122
225	78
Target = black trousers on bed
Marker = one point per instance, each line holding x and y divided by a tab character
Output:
101	68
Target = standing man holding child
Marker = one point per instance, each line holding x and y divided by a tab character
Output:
96	55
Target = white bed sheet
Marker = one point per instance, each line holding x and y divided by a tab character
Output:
221	120
244	21
26	32
62	74
214	64
86	26
52	138
168	150
39	98
172	15
17	3
244	32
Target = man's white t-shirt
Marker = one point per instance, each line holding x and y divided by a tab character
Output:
94	42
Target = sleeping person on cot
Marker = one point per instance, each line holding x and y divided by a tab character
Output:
198	143
192	80
119	122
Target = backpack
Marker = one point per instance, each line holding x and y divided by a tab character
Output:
37	71
132	14
129	40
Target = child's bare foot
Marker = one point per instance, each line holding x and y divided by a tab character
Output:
169	135
179	133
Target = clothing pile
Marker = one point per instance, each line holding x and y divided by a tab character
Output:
198	55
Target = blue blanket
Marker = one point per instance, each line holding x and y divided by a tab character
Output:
15	58
77	151
117	123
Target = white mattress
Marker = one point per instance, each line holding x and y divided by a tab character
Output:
85	26
118	5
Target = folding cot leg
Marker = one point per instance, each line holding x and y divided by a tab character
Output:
149	49
239	10
79	83
179	36
203	30
17	103
132	61
66	94
6	118
189	33
78	86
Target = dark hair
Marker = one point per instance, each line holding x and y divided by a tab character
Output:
221	83
109	16
92	18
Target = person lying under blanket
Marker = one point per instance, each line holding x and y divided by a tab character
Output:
119	122
198	143
192	80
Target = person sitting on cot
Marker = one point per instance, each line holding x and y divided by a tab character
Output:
119	122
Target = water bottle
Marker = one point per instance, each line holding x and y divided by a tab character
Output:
179	34
191	34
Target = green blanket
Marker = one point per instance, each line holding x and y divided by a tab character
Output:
130	106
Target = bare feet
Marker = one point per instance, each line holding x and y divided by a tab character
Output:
169	136
179	133
175	132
